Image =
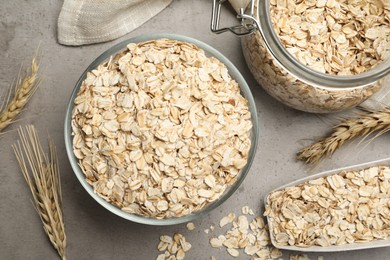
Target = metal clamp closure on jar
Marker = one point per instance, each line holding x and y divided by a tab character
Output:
250	24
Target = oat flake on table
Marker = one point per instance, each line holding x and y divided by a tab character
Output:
247	237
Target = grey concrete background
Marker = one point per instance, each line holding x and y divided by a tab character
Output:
93	232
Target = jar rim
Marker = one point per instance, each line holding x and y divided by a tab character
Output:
308	75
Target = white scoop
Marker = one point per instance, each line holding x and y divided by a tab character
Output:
332	248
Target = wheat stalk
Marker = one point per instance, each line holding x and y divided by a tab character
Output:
24	89
41	173
368	122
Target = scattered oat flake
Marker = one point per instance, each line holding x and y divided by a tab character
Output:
215	242
252	239
227	219
174	247
233	252
190	226
246	210
161	257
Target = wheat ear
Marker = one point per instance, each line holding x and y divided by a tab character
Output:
368	122
24	89
41	173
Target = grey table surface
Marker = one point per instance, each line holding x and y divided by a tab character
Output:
92	231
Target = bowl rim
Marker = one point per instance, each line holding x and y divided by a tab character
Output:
234	73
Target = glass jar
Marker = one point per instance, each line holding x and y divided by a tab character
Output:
287	79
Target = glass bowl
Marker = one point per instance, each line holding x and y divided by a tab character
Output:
245	91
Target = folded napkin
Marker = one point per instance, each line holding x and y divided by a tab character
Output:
93	21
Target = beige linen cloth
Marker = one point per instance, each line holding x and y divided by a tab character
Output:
93	21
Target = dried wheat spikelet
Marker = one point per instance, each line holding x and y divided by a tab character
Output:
41	173
24	89
367	122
